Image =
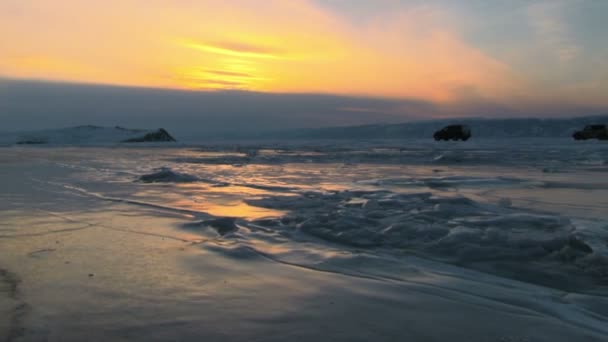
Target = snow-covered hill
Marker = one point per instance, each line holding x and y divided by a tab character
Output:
481	128
84	135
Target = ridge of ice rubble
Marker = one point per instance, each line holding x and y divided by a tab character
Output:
222	225
526	245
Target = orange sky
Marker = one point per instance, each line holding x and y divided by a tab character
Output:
269	46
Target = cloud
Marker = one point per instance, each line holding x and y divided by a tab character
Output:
222	83
229	73
295	46
247	48
395	49
235	49
548	20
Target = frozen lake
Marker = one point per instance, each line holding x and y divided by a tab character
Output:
397	240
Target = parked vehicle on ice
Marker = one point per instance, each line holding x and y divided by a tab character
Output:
599	132
453	132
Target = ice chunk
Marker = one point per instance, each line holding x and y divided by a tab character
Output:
166	175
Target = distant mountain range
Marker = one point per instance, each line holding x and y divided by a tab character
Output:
85	135
481	128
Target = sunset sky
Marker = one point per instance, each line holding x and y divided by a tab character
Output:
519	54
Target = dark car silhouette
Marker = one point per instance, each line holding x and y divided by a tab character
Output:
592	132
453	132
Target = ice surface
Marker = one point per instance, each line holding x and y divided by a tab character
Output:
361	241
